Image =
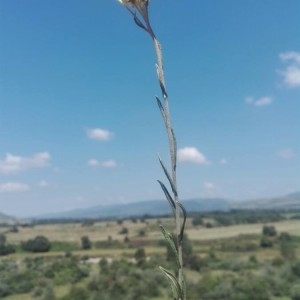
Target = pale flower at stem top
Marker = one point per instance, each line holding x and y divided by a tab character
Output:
142	7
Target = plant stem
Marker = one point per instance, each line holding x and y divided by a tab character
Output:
172	149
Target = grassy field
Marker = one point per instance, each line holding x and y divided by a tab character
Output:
102	230
206	241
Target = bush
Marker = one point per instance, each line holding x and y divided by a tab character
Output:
124	230
269	230
197	220
140	256
85	243
295	292
38	244
266	242
4	248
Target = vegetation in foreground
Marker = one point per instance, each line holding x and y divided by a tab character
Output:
249	265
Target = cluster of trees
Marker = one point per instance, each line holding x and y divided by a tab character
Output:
38	276
38	244
5	248
234	217
122	280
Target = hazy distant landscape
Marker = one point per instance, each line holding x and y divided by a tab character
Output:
227	253
161	207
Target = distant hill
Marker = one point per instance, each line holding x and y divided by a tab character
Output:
161	207
288	202
154	207
5	219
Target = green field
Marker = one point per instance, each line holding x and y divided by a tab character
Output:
221	260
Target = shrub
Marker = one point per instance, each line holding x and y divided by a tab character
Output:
269	230
295	292
4	248
296	268
85	243
266	242
197	220
38	244
142	232
140	256
124	230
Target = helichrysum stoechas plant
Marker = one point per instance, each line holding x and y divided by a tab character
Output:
139	10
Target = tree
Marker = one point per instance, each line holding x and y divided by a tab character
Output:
4	248
266	241
124	230
197	220
140	256
269	230
39	244
85	242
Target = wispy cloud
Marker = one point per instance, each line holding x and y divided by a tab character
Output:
99	134
262	101
93	163
43	184
104	164
223	161
13	187
109	164
14	163
209	186
291	73
191	155
287	153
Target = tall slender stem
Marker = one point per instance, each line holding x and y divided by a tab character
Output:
172	149
142	20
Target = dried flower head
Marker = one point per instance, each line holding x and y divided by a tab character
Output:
141	6
134	3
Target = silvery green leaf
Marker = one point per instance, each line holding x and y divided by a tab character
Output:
168	176
163	90
168	196
177	292
170	239
183	223
174	156
161	108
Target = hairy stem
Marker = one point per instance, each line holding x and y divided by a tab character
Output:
172	149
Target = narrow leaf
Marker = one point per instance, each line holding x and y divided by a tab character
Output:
183	223
168	196
170	239
174	156
139	23
163	89
168	176
177	292
161	108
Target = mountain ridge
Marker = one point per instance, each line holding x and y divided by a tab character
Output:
161	207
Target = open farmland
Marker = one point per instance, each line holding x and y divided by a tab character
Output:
69	269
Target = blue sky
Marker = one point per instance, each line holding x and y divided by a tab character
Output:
79	125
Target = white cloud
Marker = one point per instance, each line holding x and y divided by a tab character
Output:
109	164
93	163
223	161
263	101
191	155
13	187
104	164
291	72
209	186
290	56
99	134
287	153
14	164
43	184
